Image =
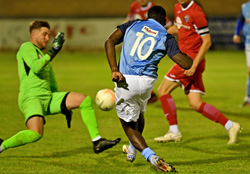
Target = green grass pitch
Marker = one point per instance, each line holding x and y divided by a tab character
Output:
204	146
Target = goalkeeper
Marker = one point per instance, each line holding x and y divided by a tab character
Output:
39	95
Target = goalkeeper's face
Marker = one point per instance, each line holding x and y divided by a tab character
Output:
40	37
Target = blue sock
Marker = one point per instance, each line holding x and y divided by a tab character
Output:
147	153
248	87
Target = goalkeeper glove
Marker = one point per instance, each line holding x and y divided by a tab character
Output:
56	45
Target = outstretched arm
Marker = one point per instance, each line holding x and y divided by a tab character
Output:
110	43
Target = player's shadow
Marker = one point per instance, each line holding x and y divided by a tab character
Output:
57	158
83	150
238	151
243	134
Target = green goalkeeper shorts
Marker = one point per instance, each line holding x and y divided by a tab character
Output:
42	105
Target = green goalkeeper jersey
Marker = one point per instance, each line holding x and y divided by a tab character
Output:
35	73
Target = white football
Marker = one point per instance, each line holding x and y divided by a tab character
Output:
105	99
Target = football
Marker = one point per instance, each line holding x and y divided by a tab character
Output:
105	99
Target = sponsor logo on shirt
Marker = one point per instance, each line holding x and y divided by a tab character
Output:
150	31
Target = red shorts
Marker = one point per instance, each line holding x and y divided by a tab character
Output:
189	83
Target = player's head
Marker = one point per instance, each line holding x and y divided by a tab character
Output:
143	3
39	33
158	13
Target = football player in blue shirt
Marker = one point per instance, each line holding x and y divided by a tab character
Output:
243	22
145	43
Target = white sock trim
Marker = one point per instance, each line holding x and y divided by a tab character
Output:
228	125
247	99
152	160
96	138
174	129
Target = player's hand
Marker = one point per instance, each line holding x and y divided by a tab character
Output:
56	45
190	72
117	77
236	39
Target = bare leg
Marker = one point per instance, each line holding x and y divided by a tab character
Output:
134	131
36	124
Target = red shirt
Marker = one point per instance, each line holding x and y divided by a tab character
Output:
138	12
192	24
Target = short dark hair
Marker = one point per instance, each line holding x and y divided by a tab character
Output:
37	24
158	13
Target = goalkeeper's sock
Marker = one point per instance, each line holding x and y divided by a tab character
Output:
21	138
89	118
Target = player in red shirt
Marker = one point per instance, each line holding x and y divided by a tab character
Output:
194	40
139	10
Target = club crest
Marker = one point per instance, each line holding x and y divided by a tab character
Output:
186	18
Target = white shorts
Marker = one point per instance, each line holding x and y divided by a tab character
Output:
247	51
131	97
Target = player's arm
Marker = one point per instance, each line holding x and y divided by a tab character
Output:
30	57
183	60
114	39
175	53
202	28
206	43
238	28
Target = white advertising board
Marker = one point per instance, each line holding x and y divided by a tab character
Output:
79	33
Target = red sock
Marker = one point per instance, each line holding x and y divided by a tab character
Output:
212	113
169	109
